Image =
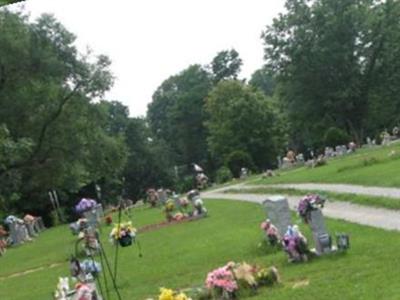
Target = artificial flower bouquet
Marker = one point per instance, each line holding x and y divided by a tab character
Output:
168	294
271	232
199	208
123	233
295	244
78	226
226	282
309	203
89	266
222	283
168	209
184	206
85	205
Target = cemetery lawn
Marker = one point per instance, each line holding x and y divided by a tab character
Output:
382	202
369	167
179	256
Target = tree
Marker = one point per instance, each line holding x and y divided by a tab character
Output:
149	162
263	80
46	89
241	119
328	57
226	65
176	114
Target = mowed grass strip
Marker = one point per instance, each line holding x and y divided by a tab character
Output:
369	167
381	202
179	256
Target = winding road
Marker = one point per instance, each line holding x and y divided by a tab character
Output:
364	215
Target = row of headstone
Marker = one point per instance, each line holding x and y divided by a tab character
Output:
339	150
21	231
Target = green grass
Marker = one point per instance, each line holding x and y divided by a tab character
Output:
179	256
370	167
382	202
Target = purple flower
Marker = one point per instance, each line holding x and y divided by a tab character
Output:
85	204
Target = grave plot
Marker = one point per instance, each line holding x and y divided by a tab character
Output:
279	228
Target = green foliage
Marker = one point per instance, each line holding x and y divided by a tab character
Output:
336	136
335	66
241	119
55	137
150	160
176	114
226	65
237	160
223	175
185	184
263	80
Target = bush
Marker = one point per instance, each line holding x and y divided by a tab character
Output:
238	160
336	136
185	184
223	175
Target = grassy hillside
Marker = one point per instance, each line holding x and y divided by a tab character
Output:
180	256
371	167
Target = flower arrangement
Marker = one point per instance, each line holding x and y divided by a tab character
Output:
124	233
271	232
199	208
84	205
169	205
168	209
168	294
295	244
179	216
225	282
266	276
222	282
90	267
184	202
309	203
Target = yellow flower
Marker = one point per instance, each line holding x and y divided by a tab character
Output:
181	296
245	272
166	294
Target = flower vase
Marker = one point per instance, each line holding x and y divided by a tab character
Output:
125	241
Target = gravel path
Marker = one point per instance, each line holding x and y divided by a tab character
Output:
340	188
376	217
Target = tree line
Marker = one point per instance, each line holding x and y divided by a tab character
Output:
330	75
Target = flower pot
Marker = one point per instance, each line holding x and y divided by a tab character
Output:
125	241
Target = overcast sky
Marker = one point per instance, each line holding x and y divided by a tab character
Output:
150	40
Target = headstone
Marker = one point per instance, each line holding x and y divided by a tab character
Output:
18	233
278	212
369	141
279	159
94	215
39	225
321	237
162	195
177	201
31	229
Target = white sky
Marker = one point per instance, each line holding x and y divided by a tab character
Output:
150	40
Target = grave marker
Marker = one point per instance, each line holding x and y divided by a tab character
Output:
277	208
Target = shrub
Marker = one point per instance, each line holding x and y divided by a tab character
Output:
223	175
335	136
185	184
238	160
